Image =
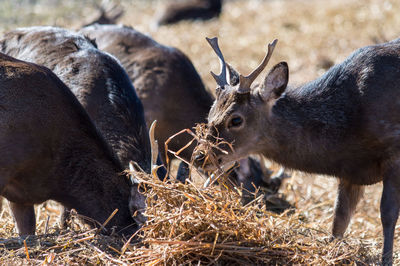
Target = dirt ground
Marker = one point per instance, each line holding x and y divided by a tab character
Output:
312	34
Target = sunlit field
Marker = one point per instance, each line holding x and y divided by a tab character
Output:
313	35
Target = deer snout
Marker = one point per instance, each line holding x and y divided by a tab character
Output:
200	157
137	204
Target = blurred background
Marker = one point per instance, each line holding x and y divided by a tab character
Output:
313	34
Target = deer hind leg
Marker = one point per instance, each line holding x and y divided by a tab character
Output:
390	205
24	216
183	172
346	202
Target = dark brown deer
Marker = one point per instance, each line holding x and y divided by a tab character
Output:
105	13
170	88
176	11
165	80
344	124
97	80
50	149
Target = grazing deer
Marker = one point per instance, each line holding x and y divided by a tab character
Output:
189	10
170	89
344	124
97	80
50	149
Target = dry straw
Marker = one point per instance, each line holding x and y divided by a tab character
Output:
187	225
192	224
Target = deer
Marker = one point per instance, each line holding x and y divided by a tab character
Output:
177	11
161	75
106	12
98	81
343	124
51	149
172	92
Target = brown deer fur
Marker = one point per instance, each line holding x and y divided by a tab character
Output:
170	88
50	149
97	80
165	79
344	124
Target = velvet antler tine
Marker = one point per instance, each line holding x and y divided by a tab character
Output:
221	78
246	81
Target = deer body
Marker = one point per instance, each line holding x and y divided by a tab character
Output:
339	125
165	79
100	84
50	149
344	124
177	11
169	86
97	80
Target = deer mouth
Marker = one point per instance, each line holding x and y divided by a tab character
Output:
211	163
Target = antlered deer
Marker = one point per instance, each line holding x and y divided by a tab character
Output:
169	86
50	149
344	124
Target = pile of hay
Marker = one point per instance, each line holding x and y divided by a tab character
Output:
187	224
192	224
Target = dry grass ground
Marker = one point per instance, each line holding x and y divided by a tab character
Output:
312	34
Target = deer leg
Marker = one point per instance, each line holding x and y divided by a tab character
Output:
24	216
161	171
390	205
346	202
183	172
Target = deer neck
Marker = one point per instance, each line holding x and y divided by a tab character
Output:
308	133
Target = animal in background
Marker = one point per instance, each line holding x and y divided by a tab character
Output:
165	80
176	11
343	124
170	89
50	149
96	78
105	13
98	81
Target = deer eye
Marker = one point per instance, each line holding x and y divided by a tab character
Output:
236	121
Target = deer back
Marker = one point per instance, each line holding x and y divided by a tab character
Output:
97	80
166	81
176	11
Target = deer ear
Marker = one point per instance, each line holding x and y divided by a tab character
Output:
275	82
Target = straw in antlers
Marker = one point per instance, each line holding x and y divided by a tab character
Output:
244	81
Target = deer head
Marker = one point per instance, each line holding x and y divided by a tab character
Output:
240	113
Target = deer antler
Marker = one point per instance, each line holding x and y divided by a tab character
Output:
221	78
154	146
246	81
